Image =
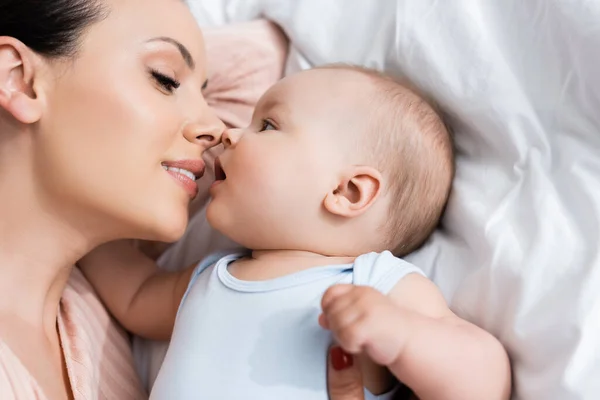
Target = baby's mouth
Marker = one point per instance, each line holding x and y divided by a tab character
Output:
219	172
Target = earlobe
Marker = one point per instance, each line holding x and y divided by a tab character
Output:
355	194
17	94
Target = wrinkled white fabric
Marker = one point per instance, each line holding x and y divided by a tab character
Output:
519	82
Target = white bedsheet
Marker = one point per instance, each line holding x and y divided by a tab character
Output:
519	81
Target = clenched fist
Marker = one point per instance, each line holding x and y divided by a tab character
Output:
364	321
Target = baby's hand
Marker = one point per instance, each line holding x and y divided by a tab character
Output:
364	321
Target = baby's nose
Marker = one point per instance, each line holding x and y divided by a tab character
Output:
231	137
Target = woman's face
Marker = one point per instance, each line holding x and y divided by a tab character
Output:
128	106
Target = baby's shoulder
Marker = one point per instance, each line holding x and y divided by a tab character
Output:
382	271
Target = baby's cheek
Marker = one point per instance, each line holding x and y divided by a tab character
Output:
261	168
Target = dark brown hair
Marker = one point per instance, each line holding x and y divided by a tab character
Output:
49	27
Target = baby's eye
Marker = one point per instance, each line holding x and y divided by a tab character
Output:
267	126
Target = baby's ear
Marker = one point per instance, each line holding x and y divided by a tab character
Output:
355	194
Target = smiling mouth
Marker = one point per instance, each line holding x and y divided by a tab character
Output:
219	172
181	171
192	168
185	173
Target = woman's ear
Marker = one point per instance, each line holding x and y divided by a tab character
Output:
355	194
17	78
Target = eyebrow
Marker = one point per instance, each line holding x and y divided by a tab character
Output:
276	106
270	104
185	53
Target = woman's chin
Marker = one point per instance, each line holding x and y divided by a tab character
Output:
168	229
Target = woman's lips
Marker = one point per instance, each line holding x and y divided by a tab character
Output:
183	171
189	185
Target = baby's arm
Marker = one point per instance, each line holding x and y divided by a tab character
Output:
414	334
141	297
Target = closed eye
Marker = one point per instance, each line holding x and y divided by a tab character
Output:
267	126
165	82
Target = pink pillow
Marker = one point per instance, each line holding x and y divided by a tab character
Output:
244	60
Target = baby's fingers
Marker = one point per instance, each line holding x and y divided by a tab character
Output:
323	321
351	334
334	293
338	307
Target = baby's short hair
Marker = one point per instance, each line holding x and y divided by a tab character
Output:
412	147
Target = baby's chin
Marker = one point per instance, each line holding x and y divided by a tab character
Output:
218	220
228	228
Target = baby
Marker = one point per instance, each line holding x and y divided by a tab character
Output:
339	166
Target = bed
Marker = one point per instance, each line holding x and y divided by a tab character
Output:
517	252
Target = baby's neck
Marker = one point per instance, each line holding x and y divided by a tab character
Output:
270	264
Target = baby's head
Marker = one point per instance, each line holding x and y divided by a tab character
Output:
337	161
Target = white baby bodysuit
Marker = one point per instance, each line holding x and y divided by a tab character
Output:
237	339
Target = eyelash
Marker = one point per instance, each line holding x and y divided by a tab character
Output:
169	84
264	124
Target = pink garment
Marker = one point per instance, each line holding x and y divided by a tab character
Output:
97	353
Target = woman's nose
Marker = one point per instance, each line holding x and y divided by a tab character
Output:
231	137
205	132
